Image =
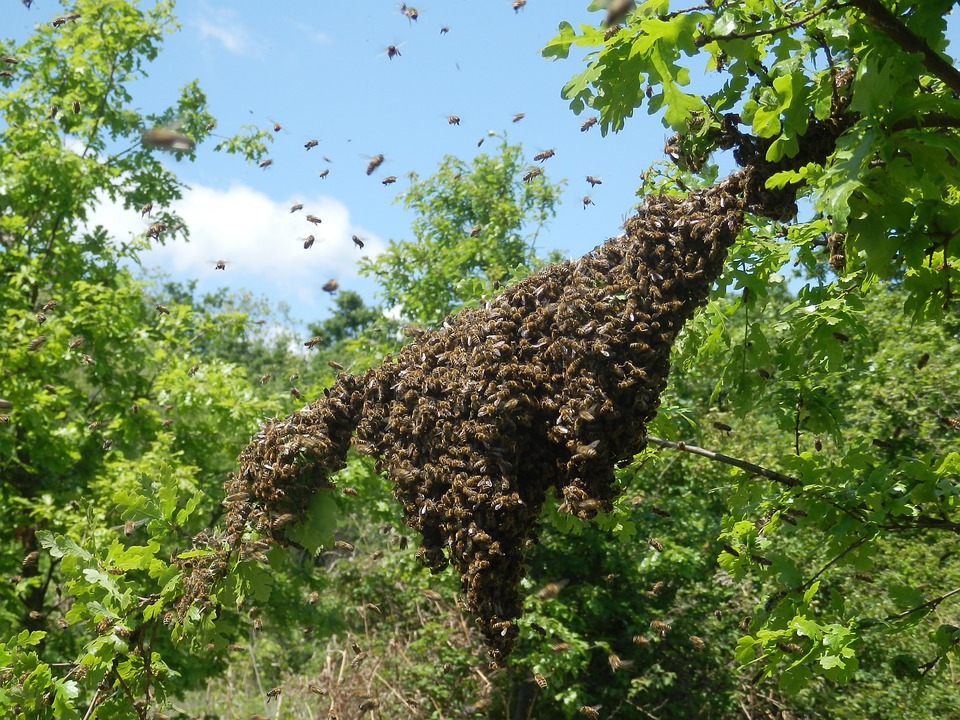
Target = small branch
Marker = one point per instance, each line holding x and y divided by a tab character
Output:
853	546
705	38
929	603
93	703
886	22
735	462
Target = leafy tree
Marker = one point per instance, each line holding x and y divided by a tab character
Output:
475	222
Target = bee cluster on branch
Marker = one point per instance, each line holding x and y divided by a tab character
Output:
538	394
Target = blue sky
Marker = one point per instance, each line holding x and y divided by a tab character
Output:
319	68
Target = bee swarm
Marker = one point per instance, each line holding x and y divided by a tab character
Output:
540	392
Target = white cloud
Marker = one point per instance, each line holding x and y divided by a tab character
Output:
259	238
225	27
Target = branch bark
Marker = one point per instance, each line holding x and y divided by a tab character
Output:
720	457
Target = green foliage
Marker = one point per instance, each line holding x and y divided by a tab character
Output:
471	221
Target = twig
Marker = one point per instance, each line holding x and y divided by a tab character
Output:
853	546
256	672
720	457
929	603
93	703
705	38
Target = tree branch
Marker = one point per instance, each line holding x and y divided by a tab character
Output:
886	22
928	604
706	38
735	462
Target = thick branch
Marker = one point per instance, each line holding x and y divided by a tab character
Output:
735	462
885	21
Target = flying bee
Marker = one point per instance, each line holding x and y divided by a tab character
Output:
265	378
368	704
220	264
587	200
357	241
313	342
162	309
87	360
659	627
922	361
167	139
146	209
358	660
589	123
722	427
6	73
392	52
274	692
375	162
560	647
9	59
277	127
617	663
36	343
156	229
544	156
295	208
411	13
335	365
324	173
551	590
210	125
841	337
540	680
330	286
192	370
432	595
453	120
308	242
517	4
818	444
54	109
480	141
698	643
444	30
311	144
519	116
76	107
294	377
41	318
4	418
296	393
591	711
531	174
475	230
314	219
389	180
343	545
594	181
617	10
266	163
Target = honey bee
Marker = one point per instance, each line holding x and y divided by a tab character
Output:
589	123
587	200
314	219
818	444
444	30
358	660
317	689
410	12
698	643
540	680
349	491
343	545
722	427
841	337
594	181
41	318
531	174
296	207
167	139
591	711
146	209
87	360
392	51
4	418
544	156
6	73
313	342
922	361
617	10
30	559
220	264
274	692
560	647
369	704
335	365
640	640
475	230
311	144
10	59
324	173
453	120
277	127
357	241
54	109
265	378
617	663
389	180
294	377
661	628
156	230
761	560
519	116
330	286
375	162
308	242
432	595
76	107
517	4
266	163
296	393
36	343
210	125
162	309
765	374
192	370
480	141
